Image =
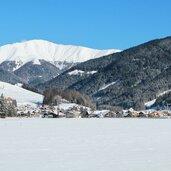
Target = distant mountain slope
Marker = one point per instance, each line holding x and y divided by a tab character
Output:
9	77
22	96
135	76
73	75
34	74
43	60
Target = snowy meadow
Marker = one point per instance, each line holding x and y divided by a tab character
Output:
85	144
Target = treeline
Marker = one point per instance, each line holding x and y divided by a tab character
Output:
7	107
51	97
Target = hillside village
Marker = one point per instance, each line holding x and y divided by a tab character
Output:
65	109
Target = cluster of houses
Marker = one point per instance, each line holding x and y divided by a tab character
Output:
80	112
71	110
9	108
147	114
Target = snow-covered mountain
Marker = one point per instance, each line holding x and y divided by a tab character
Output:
37	61
36	50
22	96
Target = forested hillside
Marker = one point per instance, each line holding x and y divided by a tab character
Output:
126	79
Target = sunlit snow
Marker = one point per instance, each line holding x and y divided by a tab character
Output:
85	145
34	50
107	85
22	96
76	72
80	72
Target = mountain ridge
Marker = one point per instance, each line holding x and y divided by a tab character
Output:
41	60
34	50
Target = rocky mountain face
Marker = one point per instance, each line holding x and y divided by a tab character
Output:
126	79
34	74
38	61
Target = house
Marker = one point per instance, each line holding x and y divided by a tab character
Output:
143	114
154	114
132	114
72	114
84	114
110	114
50	115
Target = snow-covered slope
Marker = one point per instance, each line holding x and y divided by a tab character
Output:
22	96
34	50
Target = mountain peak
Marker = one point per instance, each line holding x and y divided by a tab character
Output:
43	60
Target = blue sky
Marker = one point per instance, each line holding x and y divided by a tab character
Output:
100	24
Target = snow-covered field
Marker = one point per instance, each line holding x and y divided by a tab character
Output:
85	145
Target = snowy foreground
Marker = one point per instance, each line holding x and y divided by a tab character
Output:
85	145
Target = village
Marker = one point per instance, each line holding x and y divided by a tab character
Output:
65	109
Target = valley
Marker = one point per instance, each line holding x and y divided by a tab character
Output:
111	78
